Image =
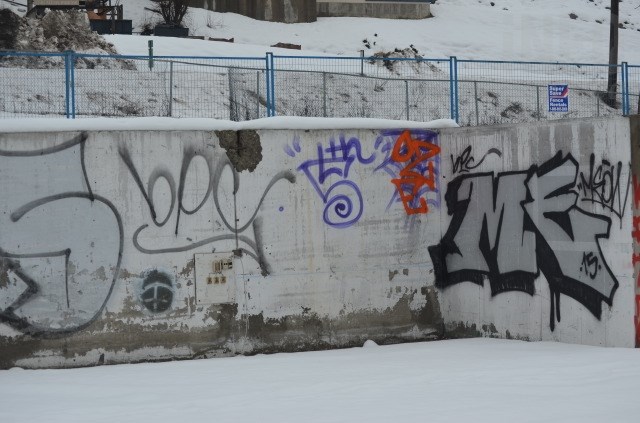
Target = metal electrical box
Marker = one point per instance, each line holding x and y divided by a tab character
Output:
215	278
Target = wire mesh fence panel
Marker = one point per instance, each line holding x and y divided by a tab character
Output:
427	99
365	97
323	94
381	67
392	85
247	94
408	68
216	87
491	103
634	90
32	85
161	86
329	64
499	92
119	86
362	87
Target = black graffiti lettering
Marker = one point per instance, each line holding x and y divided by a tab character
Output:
42	305
604	185
590	265
215	169
188	156
509	228
465	162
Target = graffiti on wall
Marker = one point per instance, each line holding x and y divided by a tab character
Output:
466	162
509	227
410	157
61	243
342	198
635	234
157	291
603	184
216	165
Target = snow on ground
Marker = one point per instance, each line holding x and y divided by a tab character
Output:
474	380
528	30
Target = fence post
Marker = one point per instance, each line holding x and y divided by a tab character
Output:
597	105
538	101
267	77
170	88
361	62
406	96
324	94
271	92
233	105
625	88
150	44
72	71
475	94
453	87
67	85
257	94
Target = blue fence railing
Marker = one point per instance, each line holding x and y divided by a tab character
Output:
395	85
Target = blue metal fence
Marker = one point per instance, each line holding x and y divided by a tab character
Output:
471	92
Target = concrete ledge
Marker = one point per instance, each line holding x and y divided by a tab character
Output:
384	10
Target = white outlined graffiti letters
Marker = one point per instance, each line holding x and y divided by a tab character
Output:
510	227
60	244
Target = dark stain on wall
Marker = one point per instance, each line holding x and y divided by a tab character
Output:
114	336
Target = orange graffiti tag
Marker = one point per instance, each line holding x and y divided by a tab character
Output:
414	176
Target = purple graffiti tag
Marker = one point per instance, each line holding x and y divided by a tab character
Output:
342	198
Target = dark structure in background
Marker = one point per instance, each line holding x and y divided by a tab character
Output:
292	11
289	11
104	17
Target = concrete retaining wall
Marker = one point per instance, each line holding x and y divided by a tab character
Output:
373	9
289	11
539	219
292	11
126	246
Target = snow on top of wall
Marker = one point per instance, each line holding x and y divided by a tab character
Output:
172	124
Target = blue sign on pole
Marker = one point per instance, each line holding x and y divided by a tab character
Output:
558	98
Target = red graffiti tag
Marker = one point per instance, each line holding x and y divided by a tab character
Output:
414	176
637	321
636	228
636	192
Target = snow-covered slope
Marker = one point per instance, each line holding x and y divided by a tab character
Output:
545	30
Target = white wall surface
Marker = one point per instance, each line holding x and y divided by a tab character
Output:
601	205
325	238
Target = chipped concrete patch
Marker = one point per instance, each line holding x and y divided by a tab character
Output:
243	148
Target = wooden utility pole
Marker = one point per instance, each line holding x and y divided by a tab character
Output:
612	83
